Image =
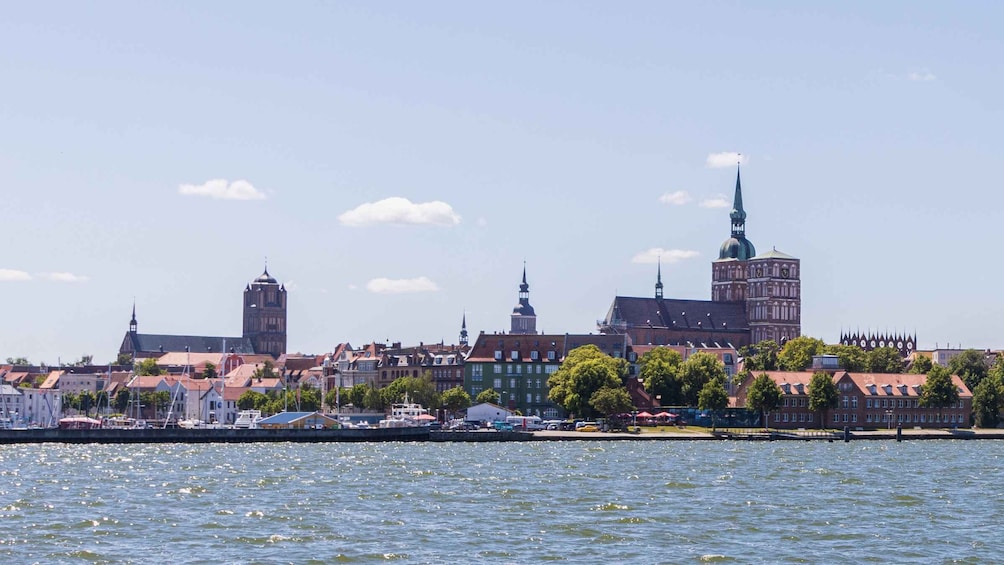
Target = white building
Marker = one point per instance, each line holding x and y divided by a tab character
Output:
488	412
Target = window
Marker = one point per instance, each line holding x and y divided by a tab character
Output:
836	417
777	417
477	371
868	403
845	417
529	398
497	384
843	403
498	369
854	402
550	356
514	355
498	354
534	355
512	383
854	418
519	369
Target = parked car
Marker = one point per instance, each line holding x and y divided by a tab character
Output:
588	428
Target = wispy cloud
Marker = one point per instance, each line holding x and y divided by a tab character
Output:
12	275
716	202
667	255
401	286
64	277
725	159
678	198
401	211
222	189
923	75
7	275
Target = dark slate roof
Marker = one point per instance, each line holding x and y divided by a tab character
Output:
678	314
195	343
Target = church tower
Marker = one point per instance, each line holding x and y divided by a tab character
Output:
265	315
463	332
524	319
658	281
774	306
730	271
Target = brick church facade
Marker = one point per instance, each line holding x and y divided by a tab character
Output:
753	298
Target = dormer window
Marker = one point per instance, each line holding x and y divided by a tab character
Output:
888	389
498	354
872	389
550	356
786	388
514	355
534	355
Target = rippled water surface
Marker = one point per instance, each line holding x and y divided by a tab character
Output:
578	502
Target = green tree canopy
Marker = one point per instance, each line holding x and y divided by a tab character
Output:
148	367
121	401
86	400
987	401
18	361
852	358
420	390
608	401
797	354
938	391
123	359
209	372
266	371
660	374
763	396
713	397
823	394
455	399
970	366
357	395
885	360
697	371
490	396
373	400
921	364
585	370
760	356
251	400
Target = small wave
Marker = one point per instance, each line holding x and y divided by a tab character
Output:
714	558
610	506
678	484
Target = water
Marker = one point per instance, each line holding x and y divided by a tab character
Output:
575	502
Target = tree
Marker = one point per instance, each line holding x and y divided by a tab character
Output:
660	374
761	356
487	396
938	391
988	397
797	354
608	401
357	395
148	367
885	360
420	390
374	400
18	361
852	358
209	372
586	370
455	400
266	371
86	400
763	396
697	371
70	400
714	398
921	364
123	359
83	361
823	394
250	400
970	366
122	400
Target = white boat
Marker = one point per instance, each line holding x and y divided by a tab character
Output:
406	415
247	419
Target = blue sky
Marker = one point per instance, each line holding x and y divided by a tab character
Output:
397	163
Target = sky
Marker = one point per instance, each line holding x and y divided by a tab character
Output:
398	162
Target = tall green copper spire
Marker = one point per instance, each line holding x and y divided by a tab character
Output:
738	215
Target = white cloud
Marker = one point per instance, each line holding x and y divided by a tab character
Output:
678	198
221	189
725	159
716	202
401	211
401	286
667	255
921	75
7	275
64	277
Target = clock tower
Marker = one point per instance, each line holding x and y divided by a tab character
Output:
774	304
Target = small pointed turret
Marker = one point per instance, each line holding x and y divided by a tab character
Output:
132	323
463	331
658	281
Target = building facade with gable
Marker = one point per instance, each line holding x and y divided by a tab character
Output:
753	298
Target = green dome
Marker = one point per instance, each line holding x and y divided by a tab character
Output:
737	248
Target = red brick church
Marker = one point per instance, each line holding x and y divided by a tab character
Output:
753	298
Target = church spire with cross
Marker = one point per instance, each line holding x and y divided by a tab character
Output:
524	319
